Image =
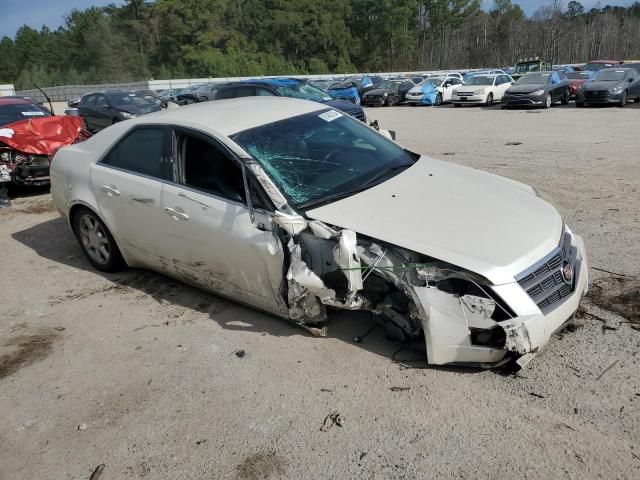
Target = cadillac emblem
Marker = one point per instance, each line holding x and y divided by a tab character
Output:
567	272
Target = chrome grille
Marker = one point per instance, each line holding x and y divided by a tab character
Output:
544	282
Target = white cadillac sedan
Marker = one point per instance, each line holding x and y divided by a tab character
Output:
294	208
482	89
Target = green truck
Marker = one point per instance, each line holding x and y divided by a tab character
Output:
525	66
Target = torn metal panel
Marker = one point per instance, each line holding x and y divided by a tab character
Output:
292	224
518	339
346	256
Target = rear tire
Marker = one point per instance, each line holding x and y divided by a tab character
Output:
579	105
623	102
96	242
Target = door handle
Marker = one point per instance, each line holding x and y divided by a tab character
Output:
111	190
176	213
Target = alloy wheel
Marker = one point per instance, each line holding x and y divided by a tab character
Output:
94	239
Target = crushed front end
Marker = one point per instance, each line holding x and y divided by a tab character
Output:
465	320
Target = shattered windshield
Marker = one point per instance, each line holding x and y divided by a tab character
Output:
317	156
303	91
20	111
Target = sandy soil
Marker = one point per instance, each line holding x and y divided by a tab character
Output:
141	373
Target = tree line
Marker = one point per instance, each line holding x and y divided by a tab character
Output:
211	38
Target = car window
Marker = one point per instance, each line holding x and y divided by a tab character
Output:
263	92
208	168
244	92
456	81
141	152
406	85
88	100
225	94
101	102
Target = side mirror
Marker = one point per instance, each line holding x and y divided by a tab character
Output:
630	80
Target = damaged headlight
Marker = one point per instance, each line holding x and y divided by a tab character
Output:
128	115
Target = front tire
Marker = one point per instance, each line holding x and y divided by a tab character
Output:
96	242
623	102
548	101
565	98
438	100
489	101
579	105
457	105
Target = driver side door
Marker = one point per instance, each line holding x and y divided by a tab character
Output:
209	236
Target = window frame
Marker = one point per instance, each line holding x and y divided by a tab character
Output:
165	152
248	178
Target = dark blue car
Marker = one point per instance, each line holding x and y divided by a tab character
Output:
285	87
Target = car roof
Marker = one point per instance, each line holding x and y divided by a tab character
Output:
14	101
234	115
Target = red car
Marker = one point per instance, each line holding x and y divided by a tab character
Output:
29	136
576	79
595	65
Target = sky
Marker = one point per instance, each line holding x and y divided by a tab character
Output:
36	13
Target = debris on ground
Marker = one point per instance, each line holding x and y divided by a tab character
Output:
533	394
513	144
240	353
200	442
82	426
607	369
97	472
326	390
330	420
400	389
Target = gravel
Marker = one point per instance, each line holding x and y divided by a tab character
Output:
151	367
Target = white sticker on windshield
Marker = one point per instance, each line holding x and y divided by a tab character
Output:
7	132
330	116
32	114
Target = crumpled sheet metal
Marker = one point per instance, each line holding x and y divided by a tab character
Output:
43	136
346	257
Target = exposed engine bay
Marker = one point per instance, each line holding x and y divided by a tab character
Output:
406	292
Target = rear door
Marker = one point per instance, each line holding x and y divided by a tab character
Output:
208	233
127	184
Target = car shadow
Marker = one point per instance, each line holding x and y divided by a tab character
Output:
24	191
54	241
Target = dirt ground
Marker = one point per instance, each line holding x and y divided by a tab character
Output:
145	375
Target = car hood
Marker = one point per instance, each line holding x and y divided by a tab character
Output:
138	109
527	88
343	105
44	135
484	223
379	91
595	86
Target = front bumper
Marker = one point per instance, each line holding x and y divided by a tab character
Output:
448	334
374	101
523	100
467	99
608	99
